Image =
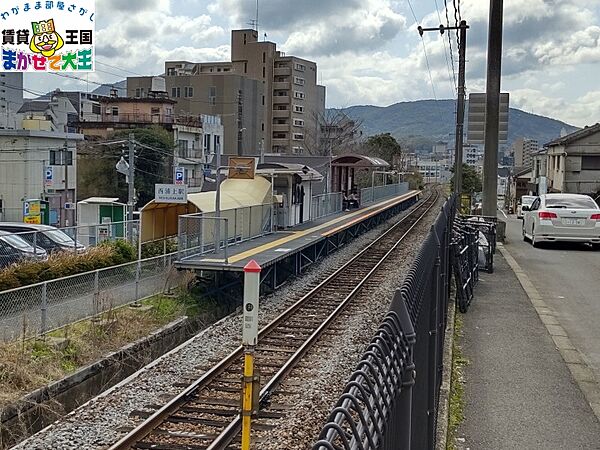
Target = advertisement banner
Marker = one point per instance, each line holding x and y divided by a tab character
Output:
47	36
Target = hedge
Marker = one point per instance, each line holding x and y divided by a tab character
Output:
64	264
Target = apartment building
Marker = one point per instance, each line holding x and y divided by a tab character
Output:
269	102
11	100
523	150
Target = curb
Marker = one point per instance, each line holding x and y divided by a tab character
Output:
579	369
443	412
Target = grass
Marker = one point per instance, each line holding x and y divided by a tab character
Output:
30	364
457	386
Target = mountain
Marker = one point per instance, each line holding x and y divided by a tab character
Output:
105	89
421	123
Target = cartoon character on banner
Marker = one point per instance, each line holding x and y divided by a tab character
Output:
45	39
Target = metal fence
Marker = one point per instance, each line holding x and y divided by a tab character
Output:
390	401
324	205
38	308
372	194
203	233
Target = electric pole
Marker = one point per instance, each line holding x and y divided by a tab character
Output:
131	177
66	166
492	110
460	103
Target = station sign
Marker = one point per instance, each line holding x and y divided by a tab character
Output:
170	193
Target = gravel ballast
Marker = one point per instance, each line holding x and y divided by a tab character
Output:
102	421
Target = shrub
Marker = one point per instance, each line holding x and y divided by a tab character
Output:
157	248
64	264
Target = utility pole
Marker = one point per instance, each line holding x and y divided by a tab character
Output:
66	166
218	199
460	104
492	109
131	177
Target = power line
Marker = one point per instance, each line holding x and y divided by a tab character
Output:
424	51
119	68
452	79
449	38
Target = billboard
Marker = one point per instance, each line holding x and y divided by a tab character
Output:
47	36
242	168
476	118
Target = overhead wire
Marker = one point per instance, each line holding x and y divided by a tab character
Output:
424	51
452	78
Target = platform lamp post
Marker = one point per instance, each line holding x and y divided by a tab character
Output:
251	381
306	171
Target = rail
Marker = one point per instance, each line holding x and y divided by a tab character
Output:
309	317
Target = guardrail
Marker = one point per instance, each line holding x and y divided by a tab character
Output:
38	308
390	401
324	205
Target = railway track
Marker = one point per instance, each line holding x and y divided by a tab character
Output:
205	415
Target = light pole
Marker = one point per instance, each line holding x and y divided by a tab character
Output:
306	171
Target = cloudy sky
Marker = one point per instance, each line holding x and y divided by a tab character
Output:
368	51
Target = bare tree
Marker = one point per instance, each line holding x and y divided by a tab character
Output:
334	133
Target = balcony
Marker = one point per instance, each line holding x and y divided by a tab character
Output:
278	142
281	114
282	71
282	85
281	127
138	118
281	99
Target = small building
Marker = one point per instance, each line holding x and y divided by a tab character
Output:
573	162
100	218
344	170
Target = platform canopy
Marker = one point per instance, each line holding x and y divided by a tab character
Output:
305	172
343	170
356	161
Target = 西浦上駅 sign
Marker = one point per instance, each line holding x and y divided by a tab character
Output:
47	36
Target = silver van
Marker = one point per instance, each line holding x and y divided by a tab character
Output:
49	238
14	248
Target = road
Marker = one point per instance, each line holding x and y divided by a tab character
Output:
568	278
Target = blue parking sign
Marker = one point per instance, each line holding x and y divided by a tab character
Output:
179	175
48	176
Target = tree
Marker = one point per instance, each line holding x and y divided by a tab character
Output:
335	133
386	147
471	180
97	175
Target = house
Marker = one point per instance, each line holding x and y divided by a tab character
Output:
573	162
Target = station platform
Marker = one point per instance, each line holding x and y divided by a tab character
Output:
289	252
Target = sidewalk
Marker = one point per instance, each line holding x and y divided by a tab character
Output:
519	392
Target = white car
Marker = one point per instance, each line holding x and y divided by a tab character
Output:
526	200
562	217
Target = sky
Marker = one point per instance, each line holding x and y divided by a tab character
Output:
367	51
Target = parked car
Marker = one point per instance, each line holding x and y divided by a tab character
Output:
49	238
562	217
14	248
524	200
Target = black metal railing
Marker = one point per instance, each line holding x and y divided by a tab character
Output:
390	401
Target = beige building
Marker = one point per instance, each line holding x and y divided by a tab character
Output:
573	162
268	101
523	150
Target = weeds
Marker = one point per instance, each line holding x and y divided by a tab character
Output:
457	385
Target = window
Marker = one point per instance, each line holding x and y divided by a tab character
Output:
264	57
212	95
262	126
217	143
155	111
57	158
590	162
263	100
137	93
245	39
171	71
298	136
300	67
96	109
299	95
176	92
298	122
299	81
297	150
115	110
245	67
183	148
264	72
188	91
207	143
299	109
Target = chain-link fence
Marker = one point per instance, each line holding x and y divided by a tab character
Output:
372	194
38	308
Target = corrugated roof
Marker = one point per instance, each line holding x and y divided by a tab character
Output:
34	106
